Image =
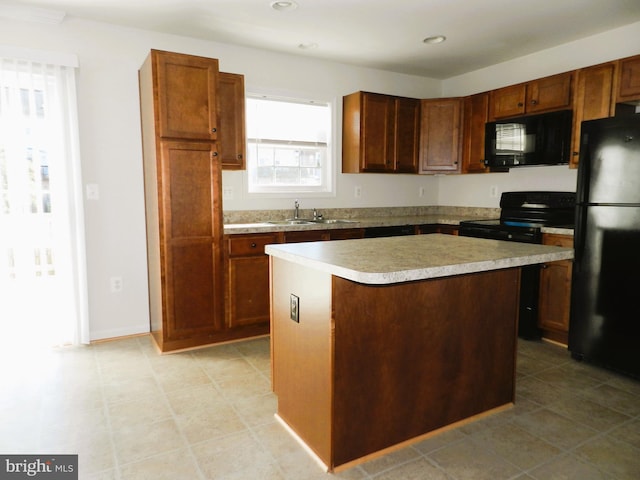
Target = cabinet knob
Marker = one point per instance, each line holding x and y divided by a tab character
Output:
239	156
253	245
215	154
534	102
520	104
214	130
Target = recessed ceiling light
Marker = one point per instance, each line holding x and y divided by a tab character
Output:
281	5
435	39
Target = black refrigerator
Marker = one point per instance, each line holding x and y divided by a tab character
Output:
605	296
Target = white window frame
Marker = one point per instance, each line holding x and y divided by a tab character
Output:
328	187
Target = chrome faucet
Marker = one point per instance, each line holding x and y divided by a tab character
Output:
296	209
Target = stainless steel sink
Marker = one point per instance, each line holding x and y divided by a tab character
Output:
291	222
305	221
333	220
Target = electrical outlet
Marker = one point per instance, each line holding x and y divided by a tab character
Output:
116	284
92	191
421	192
294	308
357	191
227	193
493	191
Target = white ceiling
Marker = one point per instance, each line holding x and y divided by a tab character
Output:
382	34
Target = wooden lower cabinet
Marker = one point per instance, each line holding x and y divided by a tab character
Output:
247	283
306	236
555	293
438	228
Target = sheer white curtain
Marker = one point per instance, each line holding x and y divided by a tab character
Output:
43	287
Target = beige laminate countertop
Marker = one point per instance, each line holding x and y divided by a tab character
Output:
366	222
415	257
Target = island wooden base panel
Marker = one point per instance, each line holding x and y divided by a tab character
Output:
368	368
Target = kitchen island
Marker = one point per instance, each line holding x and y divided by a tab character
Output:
377	343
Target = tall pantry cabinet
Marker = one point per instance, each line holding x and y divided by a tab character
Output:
182	176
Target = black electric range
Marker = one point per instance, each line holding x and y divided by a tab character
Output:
522	216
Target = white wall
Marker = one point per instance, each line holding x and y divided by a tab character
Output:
110	143
476	190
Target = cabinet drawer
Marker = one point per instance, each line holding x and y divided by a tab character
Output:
557	240
248	246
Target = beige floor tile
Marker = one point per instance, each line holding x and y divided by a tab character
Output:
130	412
589	413
127	389
175	465
188	400
145	410
392	460
419	469
466	460
554	428
615	399
137	442
276	440
628	432
257	410
246	386
232	454
568	467
612	456
517	445
208	423
226	369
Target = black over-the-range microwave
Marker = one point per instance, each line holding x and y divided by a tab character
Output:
543	139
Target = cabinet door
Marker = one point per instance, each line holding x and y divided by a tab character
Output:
231	121
441	135
407	135
555	292
549	93
306	236
190	239
476	113
186	95
346	233
629	81
593	100
378	118
248	279
507	102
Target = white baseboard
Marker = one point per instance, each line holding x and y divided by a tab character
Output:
119	332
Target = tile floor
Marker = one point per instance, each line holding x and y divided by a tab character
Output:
208	414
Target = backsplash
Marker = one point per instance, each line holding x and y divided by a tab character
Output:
258	216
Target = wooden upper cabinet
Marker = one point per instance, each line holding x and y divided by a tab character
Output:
507	101
231	121
186	95
542	95
380	133
476	114
441	135
407	134
593	99
629	80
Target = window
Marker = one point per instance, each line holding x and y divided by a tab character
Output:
288	146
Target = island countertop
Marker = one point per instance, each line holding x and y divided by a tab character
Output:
417	257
